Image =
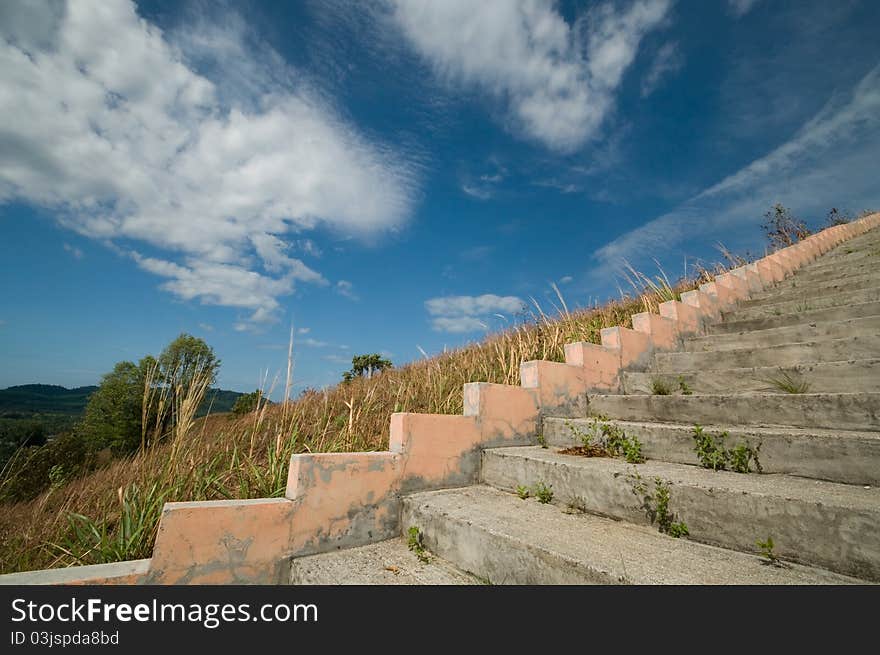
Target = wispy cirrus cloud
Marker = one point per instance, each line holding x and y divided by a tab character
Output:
667	61
209	149
557	80
741	7
836	149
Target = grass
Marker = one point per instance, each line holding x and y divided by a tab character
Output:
789	382
113	512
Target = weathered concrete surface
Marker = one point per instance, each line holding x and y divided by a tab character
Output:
824	377
836	455
843	313
794	287
117	573
384	563
820	523
800	306
510	541
844	411
822	350
800	333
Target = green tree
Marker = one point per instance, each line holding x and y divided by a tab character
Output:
782	228
247	403
113	413
185	358
365	366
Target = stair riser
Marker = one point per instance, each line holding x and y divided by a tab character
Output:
802	291
838	538
836	412
831	377
834	350
861	310
495	557
799	307
795	285
844	262
845	459
859	327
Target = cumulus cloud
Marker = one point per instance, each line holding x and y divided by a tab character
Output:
557	80
834	152
346	288
468	313
212	155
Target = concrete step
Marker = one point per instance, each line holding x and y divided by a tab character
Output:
793	290
805	332
803	306
792	354
510	541
733	325
837	411
835	455
384	563
822	377
831	272
835	526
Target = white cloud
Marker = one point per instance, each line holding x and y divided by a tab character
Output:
830	161
346	288
480	193
304	330
73	250
466	313
313	343
566	279
556	80
741	7
213	154
207	327
668	60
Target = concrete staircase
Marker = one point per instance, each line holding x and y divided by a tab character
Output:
792	373
772	365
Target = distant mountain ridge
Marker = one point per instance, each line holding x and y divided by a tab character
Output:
54	399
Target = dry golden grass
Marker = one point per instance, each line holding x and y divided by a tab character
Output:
113	512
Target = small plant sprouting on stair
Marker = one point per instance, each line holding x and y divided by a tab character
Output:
523	492
684	387
768	557
713	454
543	493
542	440
415	544
655	502
789	382
660	387
605	439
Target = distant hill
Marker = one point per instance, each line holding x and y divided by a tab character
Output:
28	399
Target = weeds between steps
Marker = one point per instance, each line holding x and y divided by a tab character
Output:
541	491
713	454
415	543
605	439
661	387
655	502
789	382
768	557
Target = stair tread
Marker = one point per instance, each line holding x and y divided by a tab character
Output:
741	429
788	487
387	563
622	551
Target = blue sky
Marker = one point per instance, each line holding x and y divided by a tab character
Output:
399	176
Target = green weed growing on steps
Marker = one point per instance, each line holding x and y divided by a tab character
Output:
684	387
543	493
523	492
660	387
655	501
713	453
788	382
415	543
542	440
768	556
605	439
